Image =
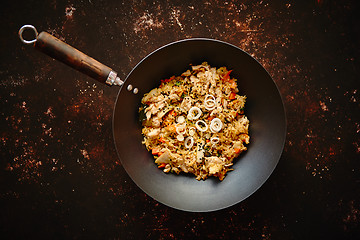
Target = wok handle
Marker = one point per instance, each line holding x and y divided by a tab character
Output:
59	50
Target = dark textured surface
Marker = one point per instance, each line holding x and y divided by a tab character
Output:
60	176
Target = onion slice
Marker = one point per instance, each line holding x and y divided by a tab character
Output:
181	129
209	102
214	140
216	125
194	110
200	128
180	137
180	119
187	144
192	131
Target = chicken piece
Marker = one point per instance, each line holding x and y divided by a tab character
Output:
238	146
151	96
156	122
154	108
174	97
214	164
179	160
154	133
201	76
187	73
163	112
164	158
186	104
194	80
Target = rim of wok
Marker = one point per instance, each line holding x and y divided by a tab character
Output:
264	108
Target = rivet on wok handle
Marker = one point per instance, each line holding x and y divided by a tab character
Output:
63	52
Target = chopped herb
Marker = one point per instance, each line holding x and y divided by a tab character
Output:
142	115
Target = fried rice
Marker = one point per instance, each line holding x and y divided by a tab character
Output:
195	122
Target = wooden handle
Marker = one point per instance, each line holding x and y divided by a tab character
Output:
63	52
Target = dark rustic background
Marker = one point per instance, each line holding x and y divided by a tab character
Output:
61	178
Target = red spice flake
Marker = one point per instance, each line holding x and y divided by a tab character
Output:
167	80
332	151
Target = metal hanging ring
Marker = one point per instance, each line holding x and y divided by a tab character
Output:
22	29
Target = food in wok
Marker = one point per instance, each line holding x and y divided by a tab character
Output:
195	122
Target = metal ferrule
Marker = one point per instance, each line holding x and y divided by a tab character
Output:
113	79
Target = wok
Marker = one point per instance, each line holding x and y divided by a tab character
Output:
264	108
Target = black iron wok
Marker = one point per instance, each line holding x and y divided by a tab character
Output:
264	109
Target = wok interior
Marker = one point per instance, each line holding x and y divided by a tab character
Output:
264	109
